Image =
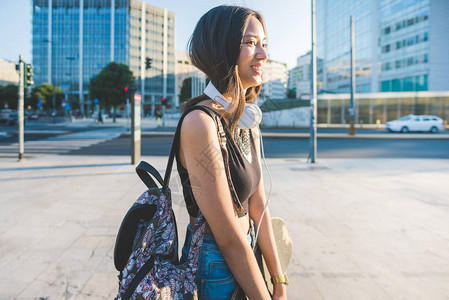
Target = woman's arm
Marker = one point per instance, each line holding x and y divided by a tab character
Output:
265	239
204	162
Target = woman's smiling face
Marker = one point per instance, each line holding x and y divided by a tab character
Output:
253	54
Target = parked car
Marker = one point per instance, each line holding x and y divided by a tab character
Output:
33	117
4	114
416	123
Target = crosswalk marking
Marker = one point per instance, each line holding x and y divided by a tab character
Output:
64	143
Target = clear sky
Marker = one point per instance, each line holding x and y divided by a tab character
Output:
288	25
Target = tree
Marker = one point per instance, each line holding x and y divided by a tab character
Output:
186	90
291	93
108	86
45	92
9	96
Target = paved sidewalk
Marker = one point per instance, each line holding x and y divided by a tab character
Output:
361	228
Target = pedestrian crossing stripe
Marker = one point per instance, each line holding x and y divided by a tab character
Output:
63	143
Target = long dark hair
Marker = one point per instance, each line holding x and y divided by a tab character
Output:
214	48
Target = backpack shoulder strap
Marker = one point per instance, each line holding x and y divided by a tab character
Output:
144	170
176	139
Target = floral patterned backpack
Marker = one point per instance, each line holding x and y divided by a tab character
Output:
146	249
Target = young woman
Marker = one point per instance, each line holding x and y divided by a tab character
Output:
229	46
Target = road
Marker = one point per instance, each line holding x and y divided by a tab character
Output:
110	141
295	148
57	143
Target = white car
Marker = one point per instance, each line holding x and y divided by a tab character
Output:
416	123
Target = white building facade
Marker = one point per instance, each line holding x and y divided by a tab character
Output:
299	76
184	70
8	73
275	77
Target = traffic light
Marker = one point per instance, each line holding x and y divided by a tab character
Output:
125	89
148	62
163	101
29	75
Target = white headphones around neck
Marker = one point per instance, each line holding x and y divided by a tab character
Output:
252	115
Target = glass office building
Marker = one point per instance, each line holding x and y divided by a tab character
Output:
404	45
74	39
399	45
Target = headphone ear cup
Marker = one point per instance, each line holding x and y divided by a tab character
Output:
251	117
258	113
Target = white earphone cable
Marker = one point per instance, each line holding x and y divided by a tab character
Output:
270	189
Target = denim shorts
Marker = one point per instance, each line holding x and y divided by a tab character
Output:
214	278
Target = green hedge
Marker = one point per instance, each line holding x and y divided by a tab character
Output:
280	104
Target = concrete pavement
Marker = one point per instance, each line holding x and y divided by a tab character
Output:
361	228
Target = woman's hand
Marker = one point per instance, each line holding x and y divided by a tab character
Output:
279	291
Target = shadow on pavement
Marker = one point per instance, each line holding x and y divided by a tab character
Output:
63	176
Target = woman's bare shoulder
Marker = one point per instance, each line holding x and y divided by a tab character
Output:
197	122
198	135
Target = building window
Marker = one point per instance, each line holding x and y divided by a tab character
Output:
396	85
409	84
421	83
385	86
386	66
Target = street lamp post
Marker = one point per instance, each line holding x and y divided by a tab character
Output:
313	94
351	109
20	108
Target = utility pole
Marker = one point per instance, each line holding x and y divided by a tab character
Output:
351	108
135	127
313	94
20	106
25	79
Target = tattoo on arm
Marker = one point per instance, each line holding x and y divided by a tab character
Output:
207	158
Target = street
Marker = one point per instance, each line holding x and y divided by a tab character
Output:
277	143
294	148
